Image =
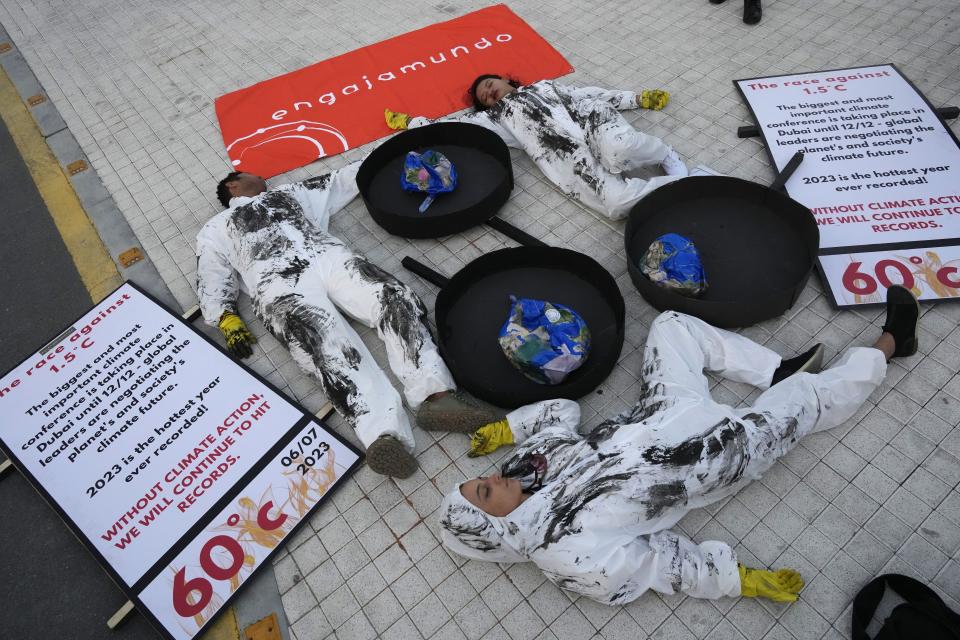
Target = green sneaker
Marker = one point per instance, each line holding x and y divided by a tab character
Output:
453	412
387	456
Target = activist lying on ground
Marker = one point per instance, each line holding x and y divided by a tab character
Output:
576	136
594	512
298	276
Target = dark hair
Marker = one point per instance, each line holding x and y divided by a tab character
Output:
223	192
472	91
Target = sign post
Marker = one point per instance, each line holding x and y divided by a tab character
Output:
881	175
181	470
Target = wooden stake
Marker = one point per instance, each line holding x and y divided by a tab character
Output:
122	613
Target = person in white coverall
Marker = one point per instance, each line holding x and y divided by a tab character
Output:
275	245
594	512
575	135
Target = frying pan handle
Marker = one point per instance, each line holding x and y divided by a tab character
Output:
787	171
514	233
425	272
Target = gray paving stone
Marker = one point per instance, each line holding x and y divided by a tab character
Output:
339	606
392	563
522	623
475	619
949	580
384	610
926	558
804	622
815	547
699	616
402	629
457	591
846	574
313	625
310	554
501	596
824	597
356	628
572	625
324	580
366	583
868	551
297	601
672	629
750	618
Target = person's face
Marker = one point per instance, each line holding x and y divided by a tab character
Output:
490	91
247	184
494	494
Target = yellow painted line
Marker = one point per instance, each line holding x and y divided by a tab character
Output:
97	271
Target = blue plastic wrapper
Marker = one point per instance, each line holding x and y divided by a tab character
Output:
673	262
544	340
429	172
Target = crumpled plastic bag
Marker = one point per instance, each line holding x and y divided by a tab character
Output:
673	262
545	341
429	172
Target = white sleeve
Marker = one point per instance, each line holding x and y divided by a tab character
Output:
618	571
532	418
217	281
326	194
621	100
480	118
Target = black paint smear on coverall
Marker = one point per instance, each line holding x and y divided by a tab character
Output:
642	410
663	496
401	311
566	508
272	207
537	111
305	326
472	536
294	269
727	439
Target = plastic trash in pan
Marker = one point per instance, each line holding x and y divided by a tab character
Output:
544	340
673	262
429	172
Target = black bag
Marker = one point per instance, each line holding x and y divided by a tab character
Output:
923	616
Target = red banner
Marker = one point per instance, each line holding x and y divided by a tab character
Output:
334	105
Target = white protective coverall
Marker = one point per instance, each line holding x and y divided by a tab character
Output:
599	525
579	140
298	275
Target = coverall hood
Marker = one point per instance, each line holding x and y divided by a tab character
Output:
473	533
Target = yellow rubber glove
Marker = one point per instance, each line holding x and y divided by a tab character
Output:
237	335
489	438
779	586
396	121
655	99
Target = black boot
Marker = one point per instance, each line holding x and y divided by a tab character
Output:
809	362
752	11
903	313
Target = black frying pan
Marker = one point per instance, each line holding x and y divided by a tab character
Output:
474	303
484	180
758	246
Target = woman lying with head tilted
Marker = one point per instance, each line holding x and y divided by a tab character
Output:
575	135
594	512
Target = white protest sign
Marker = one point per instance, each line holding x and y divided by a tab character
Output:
879	167
139	431
195	584
932	273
